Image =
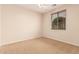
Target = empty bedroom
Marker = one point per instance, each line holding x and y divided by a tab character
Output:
39	28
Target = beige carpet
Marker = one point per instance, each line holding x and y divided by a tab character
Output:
40	45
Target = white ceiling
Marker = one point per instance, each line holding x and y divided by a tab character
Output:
35	7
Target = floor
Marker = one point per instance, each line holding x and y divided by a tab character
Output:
40	45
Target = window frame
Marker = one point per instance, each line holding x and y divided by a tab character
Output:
57	20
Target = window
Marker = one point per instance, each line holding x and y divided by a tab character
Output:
58	20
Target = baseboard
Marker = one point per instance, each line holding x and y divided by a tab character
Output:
12	42
48	37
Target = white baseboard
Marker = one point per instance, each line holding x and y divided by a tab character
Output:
10	42
30	38
72	43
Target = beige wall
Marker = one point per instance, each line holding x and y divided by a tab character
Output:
19	24
71	34
0	25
